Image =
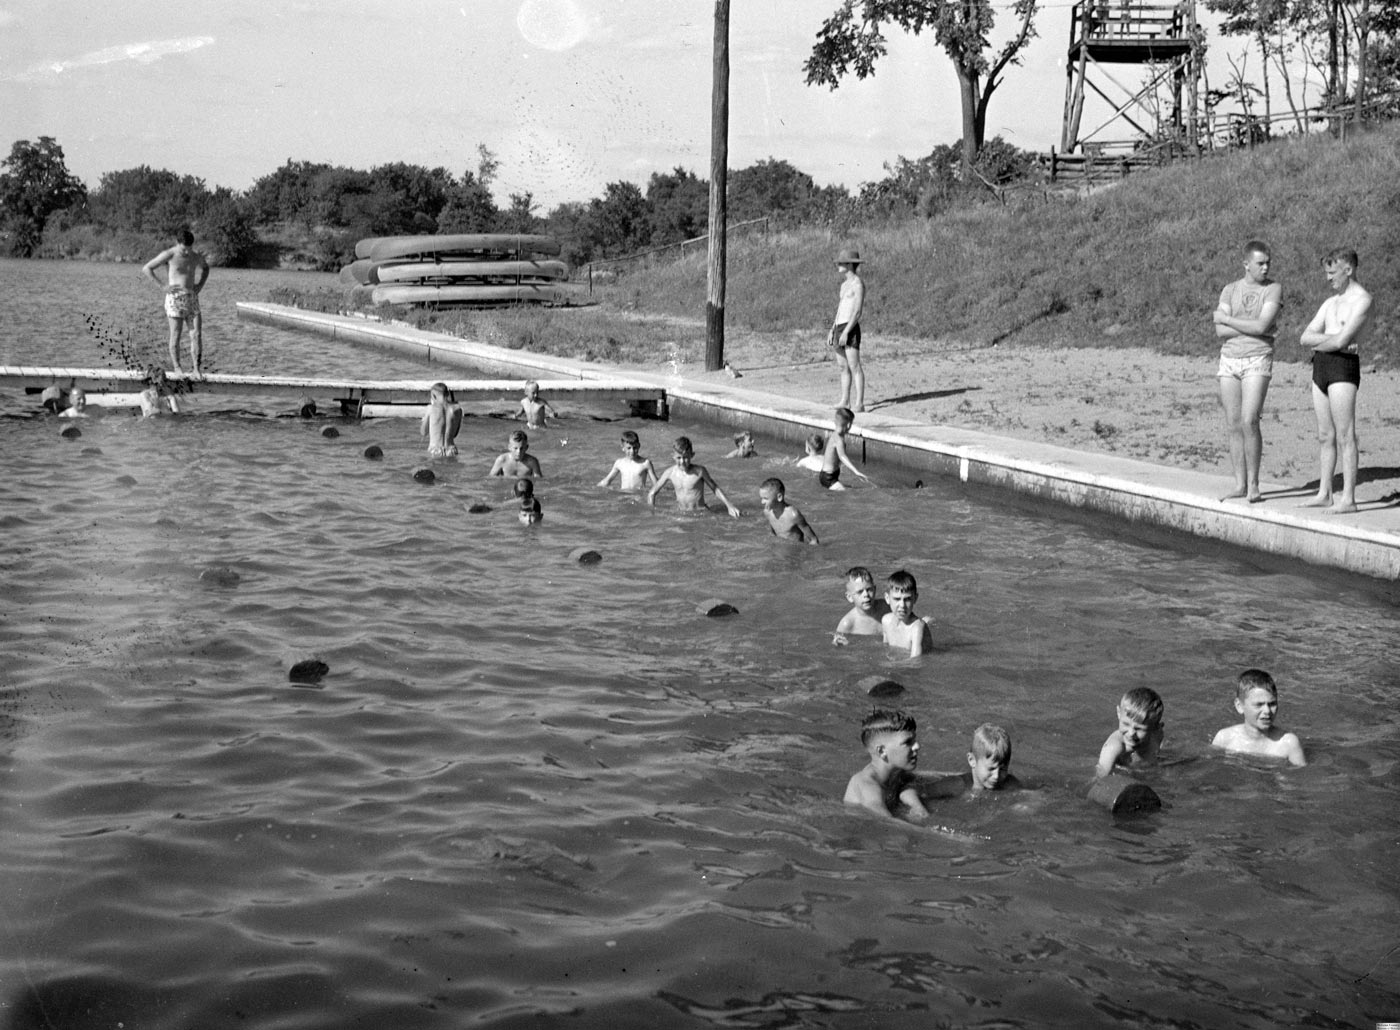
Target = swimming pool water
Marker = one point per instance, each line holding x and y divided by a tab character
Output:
531	792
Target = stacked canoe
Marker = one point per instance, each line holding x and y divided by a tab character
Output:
459	269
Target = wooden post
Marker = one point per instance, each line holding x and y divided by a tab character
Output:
719	164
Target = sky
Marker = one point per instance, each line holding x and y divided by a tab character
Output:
569	95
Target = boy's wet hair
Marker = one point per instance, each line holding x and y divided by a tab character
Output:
991	741
1342	255
743	435
846	415
519	437
1255	679
904	580
632	438
523	488
1257	247
529	383
682	445
1143	704
187	237
773	483
816	441
886	720
861	573
438	388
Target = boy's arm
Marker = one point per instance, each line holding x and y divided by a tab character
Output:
656	487
423	423
1268	311
808	533
921	641
859	306
614	471
203	273
915	812
160	259
534	465
1341	339
498	469
709	481
1109	755
649	471
1295	749
841	453
843	628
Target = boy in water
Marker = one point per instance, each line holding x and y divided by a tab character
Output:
1256	698
530	512
886	785
866	609
1334	334
77	405
989	761
1245	321
633	472
812	460
689	481
786	522
1138	737
517	461
743	446
901	627
834	455
156	398
533	407
440	423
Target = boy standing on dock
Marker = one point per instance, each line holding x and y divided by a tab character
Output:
1244	321
441	422
844	336
187	271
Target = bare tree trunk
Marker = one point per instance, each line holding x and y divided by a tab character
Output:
1362	29
719	165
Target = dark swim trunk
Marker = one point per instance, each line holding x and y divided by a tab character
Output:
827	479
1332	367
852	341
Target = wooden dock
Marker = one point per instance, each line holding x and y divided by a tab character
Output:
119	388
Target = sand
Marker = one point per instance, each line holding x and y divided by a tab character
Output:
1129	402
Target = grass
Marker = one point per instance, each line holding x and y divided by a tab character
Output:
1139	264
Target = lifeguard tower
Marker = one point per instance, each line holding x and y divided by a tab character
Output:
1158	37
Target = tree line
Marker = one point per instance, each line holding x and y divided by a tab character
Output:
46	211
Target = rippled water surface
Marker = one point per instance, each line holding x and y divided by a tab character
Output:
531	792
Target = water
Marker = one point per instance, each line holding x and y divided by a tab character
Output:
535	793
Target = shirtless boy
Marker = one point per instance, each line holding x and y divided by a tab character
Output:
1245	321
440	423
689	481
517	461
814	445
834	455
1138	738
844	336
866	609
1256	699
886	785
77	405
186	271
530	511
633	472
743	446
901	627
533	407
1334	334
786	522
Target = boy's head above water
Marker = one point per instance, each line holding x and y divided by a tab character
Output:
860	587
901	592
891	736
631	442
1139	716
682	448
814	443
990	757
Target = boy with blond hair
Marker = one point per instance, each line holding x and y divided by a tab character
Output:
834	454
786	522
866	608
689	481
1256	699
886	785
633	472
517	461
441	423
1138	738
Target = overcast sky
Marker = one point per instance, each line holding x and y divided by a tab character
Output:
569	94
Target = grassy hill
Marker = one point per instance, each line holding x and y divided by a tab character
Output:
1139	263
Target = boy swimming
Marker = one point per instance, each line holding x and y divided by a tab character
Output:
786	522
1256	698
886	785
517	461
689	481
633	472
901	627
866	609
1138	737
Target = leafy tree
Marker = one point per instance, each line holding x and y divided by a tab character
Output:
617	223
520	217
852	40
769	187
678	207
149	200
227	229
470	206
566	223
286	193
36	183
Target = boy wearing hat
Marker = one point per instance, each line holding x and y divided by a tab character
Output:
844	337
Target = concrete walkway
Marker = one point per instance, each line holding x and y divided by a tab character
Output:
1367	542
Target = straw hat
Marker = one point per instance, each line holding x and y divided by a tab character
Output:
849	256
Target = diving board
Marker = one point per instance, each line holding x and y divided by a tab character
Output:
116	387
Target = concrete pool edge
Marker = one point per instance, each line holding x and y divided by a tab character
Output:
1136	491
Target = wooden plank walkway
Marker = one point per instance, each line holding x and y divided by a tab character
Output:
118	387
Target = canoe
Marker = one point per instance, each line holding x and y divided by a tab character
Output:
462	293
505	244
414	271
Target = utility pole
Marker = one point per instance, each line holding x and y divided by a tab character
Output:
719	165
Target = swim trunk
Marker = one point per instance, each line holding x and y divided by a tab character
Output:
852	341
181	303
1332	367
1244	368
828	479
450	451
